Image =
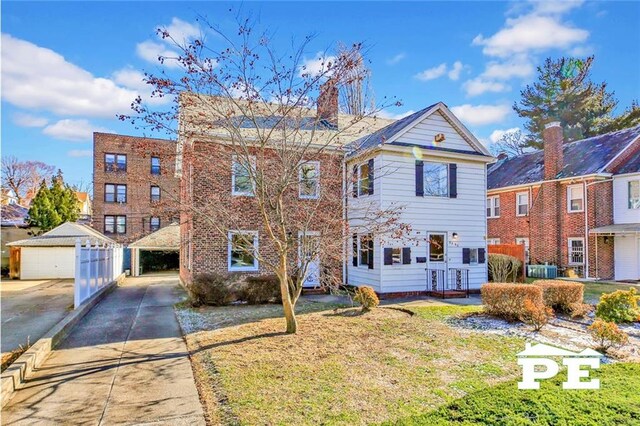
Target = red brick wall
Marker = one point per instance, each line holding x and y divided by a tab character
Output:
138	209
207	182
549	224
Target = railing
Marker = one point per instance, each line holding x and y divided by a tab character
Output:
448	283
96	267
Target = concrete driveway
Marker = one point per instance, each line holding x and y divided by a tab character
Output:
31	308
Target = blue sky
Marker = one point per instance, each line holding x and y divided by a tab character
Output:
68	68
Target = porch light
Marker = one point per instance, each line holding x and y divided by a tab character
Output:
454	236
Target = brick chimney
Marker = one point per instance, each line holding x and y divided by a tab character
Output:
328	103
553	158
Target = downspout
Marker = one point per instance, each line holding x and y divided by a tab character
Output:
344	220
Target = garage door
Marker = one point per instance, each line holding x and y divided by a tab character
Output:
47	262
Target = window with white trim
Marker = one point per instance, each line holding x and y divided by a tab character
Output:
396	256
241	181
473	256
309	180
493	241
493	206
154	223
363	250
575	198
436	179
522	203
242	249
634	194
363	179
525	242
576	251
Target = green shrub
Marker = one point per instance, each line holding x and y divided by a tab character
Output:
507	300
536	314
619	306
560	295
366	297
261	289
503	268
607	335
211	289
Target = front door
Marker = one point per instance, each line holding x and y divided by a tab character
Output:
308	246
437	259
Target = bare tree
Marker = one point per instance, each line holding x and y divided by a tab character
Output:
356	95
247	122
511	143
23	178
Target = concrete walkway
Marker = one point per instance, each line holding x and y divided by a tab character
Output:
125	363
31	308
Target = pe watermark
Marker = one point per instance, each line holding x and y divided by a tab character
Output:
537	364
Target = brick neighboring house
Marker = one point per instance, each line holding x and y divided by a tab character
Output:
135	191
550	200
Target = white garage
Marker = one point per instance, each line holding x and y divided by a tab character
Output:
52	254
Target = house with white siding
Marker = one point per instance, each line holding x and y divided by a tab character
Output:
433	170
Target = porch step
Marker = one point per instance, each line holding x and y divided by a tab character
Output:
448	294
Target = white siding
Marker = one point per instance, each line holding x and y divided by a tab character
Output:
424	133
627	257
621	211
464	215
47	262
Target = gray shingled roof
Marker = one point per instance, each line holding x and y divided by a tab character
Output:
382	135
14	215
167	238
583	157
632	165
65	235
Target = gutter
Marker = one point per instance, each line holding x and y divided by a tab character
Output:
604	176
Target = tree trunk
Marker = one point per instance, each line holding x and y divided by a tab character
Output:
288	305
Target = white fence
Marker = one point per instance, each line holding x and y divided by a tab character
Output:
96	266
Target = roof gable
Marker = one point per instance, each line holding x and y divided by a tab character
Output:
65	235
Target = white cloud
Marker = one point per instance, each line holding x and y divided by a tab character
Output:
150	51
532	32
28	120
496	135
38	78
478	86
135	80
432	73
181	31
320	64
396	59
521	68
454	72
479	115
555	7
79	153
73	130
387	114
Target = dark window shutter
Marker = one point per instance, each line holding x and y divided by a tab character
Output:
466	256
355	250
419	178
355	181
453	180
388	256
371	176
481	255
371	252
406	255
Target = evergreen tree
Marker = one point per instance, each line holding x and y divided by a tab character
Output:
53	206
629	118
565	92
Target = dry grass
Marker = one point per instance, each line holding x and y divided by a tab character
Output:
341	368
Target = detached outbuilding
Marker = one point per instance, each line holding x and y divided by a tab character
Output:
158	251
52	254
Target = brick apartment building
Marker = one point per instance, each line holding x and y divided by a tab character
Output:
550	200
135	191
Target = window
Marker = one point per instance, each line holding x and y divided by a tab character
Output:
436	247
525	242
575	198
436	179
493	206
363	179
576	251
634	194
242	249
396	256
115	224
155	193
241	182
154	223
493	241
115	162
155	165
522	203
365	254
115	193
309	175
473	256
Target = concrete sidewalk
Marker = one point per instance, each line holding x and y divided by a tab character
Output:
125	363
31	308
